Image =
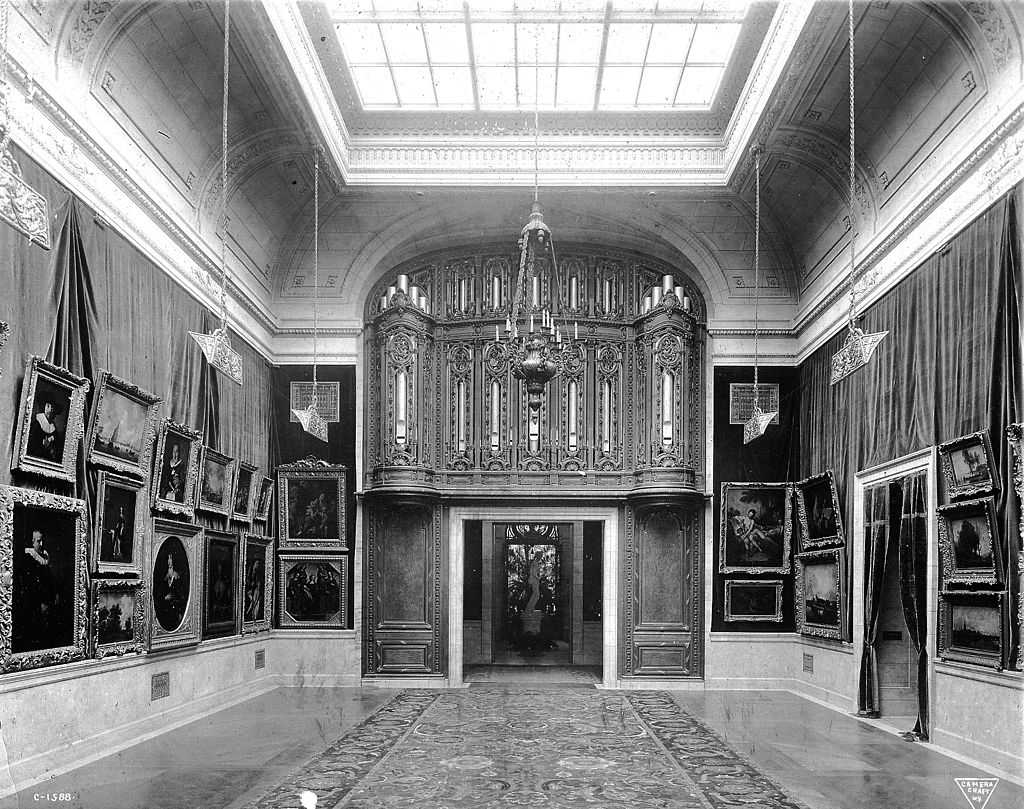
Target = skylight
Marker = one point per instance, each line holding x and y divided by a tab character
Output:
572	55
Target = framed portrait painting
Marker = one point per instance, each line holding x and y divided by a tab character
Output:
245	493
220	584
969	543
51	422
821	593
968	466
119	524
817	503
123	426
759	600
311	506
257	582
756	528
263	500
1015	433
971	628
42	579
311	590
118	618
216	483
176	553
176	472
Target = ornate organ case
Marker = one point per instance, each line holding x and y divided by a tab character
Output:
622	422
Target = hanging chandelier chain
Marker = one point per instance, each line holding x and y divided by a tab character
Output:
853	185
757	259
316	263
224	173
5	110
536	115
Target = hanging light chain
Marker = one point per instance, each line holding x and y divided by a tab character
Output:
536	114
757	258
853	187
224	174
5	110
316	262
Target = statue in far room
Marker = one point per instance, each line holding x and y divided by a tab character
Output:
530	615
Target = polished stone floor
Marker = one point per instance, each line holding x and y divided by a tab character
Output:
825	759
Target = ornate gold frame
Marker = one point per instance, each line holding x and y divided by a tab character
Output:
186	508
787	528
188	631
960	490
103	480
137	645
254	477
1015	434
947	553
110	384
77	387
266	546
837	540
947	651
735	584
263	515
11	496
311	469
222	629
284	620
229	465
821	630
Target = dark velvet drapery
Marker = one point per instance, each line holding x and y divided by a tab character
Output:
913	556
876	538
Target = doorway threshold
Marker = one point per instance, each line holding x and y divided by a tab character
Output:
532	674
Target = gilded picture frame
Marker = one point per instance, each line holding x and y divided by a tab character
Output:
819	512
245	492
312	590
1015	434
221	587
216	483
971	628
311	511
264	500
257	581
175	584
51	422
43	593
5	331
820	593
969	543
968	466
753	600
176	469
122	426
119	524
118	618
756	528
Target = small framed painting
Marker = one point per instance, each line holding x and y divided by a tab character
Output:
1015	432
42	579
118	618
216	483
263	501
176	478
311	506
257	582
123	426
120	525
967	466
971	628
756	528
821	593
969	543
52	421
176	553
245	493
821	522
311	590
220	585
759	600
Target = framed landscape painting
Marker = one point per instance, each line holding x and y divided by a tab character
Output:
756	528
176	476
971	628
119	524
123	426
43	592
311	506
245	492
821	593
821	522
51	422
311	590
969	543
118	618
176	553
257	582
216	483
968	466
220	584
759	600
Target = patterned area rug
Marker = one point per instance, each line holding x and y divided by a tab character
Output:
565	747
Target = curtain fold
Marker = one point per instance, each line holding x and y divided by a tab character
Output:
913	556
876	550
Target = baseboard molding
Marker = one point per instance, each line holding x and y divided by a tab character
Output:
317	680
398	683
750	684
823	696
976	754
659	685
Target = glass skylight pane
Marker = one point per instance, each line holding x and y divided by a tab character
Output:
375	85
494	43
713	43
447	43
428	7
497	87
504	6
658	86
627	44
527	40
404	42
352	6
669	42
454	86
396	5
576	87
361	43
618	86
542	6
580	43
415	85
698	86
679	5
526	86
634	5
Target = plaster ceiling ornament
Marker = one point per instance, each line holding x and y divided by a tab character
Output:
759	420
310	419
216	345
858	347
